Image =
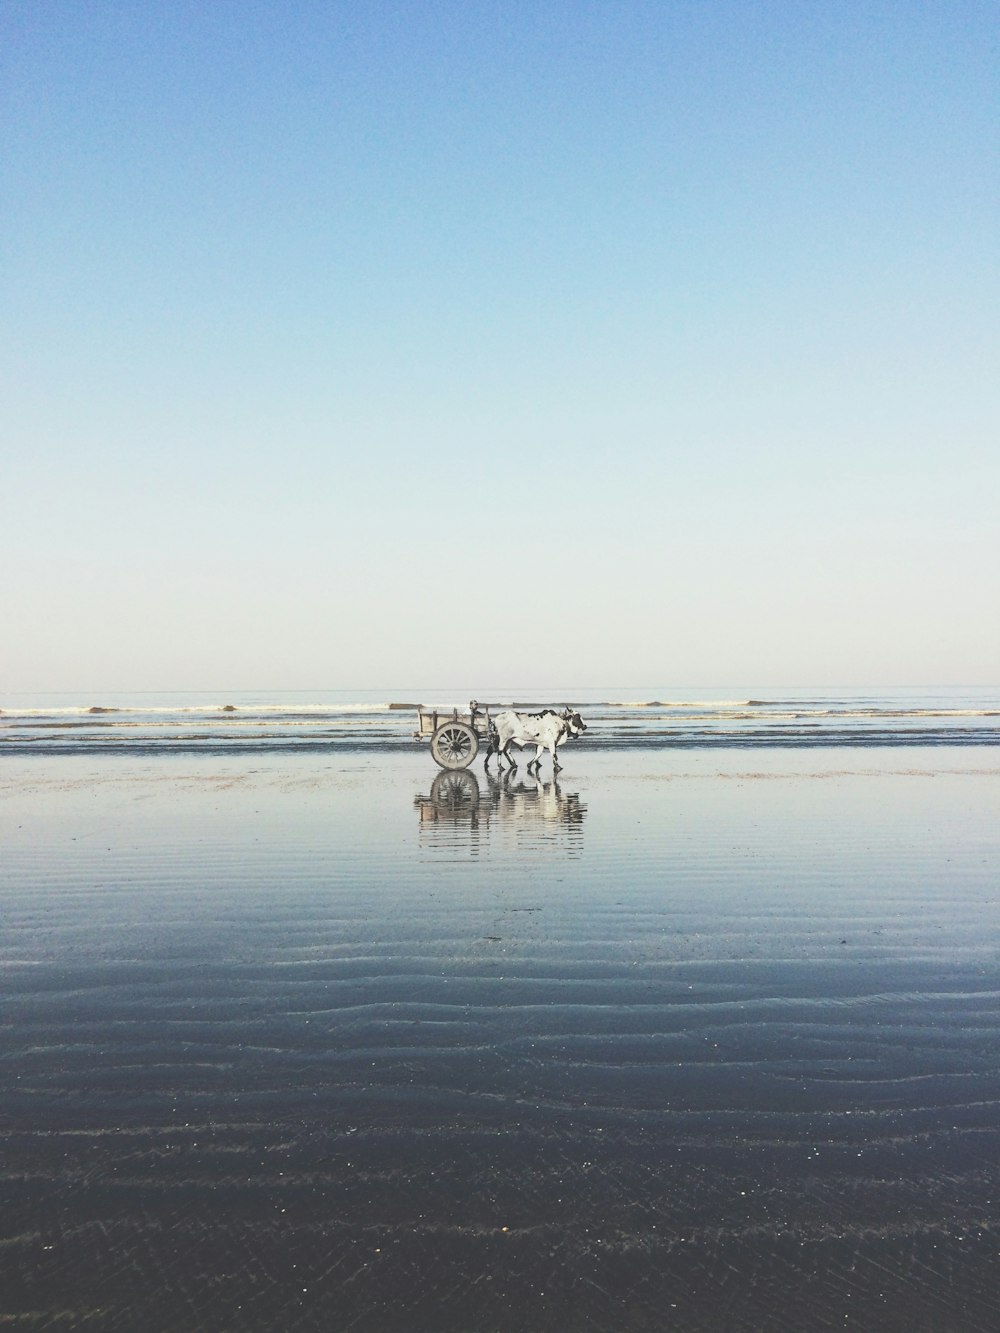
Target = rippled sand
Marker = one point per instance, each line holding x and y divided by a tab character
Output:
690	1041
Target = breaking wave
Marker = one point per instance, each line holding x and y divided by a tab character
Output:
364	720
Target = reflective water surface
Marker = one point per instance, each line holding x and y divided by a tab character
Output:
461	809
687	1041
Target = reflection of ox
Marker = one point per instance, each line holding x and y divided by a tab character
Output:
546	731
545	801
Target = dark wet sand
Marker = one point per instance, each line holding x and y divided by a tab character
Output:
695	1042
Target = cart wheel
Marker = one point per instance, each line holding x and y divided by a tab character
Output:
454	745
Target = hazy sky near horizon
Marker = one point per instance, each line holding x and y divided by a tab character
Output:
360	344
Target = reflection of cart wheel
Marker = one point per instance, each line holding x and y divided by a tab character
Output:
454	745
455	793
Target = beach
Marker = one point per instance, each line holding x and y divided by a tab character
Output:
376	370
693	1039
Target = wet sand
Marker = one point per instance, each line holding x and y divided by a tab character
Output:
695	1041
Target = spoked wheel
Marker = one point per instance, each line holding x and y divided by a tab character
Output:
454	745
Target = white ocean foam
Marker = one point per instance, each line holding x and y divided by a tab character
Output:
674	703
306	714
308	708
200	710
66	712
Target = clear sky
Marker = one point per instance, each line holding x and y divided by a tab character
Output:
367	343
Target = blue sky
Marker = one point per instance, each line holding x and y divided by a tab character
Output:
370	344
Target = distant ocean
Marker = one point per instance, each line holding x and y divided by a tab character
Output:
631	718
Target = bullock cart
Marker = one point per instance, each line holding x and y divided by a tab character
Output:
455	737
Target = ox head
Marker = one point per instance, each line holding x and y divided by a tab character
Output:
575	725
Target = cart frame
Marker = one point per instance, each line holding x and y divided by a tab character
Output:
455	737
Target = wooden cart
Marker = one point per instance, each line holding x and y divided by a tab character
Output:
454	736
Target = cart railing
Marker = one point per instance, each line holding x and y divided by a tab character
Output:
478	715
430	719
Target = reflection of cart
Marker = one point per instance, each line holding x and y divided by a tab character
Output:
454	799
459	813
454	736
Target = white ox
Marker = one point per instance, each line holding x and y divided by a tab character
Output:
546	731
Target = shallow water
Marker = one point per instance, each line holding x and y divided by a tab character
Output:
341	723
692	1040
